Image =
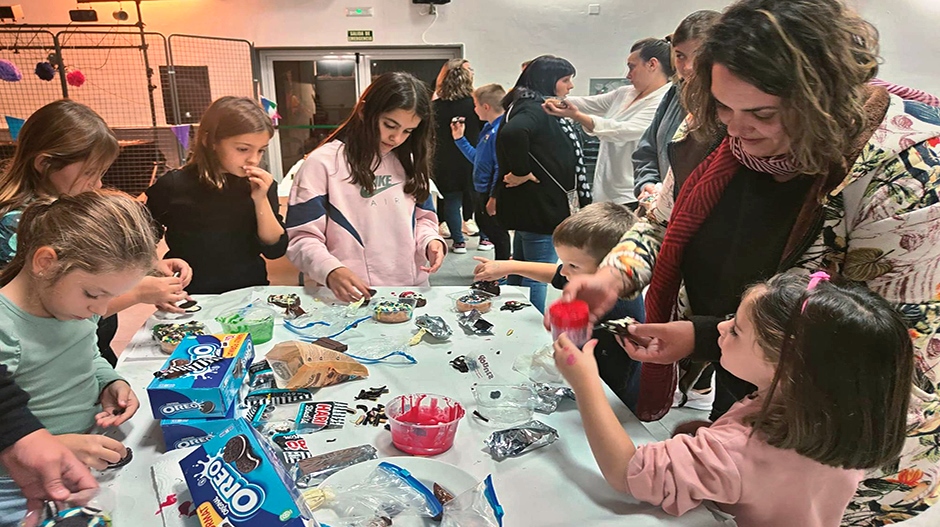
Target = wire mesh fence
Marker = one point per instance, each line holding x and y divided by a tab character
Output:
151	90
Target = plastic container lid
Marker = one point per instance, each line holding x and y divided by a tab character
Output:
574	314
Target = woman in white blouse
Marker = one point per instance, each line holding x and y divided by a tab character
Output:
620	117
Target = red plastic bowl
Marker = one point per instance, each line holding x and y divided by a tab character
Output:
423	424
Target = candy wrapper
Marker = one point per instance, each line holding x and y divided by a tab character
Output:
473	323
302	365
520	439
435	326
305	418
550	396
477	507
312	471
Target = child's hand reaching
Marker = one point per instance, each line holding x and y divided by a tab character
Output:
346	286
579	367
457	129
435	254
260	181
96	451
118	404
488	270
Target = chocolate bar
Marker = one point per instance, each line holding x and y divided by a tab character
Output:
331	344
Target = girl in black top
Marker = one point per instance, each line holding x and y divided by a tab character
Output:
220	209
542	164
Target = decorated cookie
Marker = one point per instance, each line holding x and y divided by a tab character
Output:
170	335
420	301
474	300
619	326
391	312
491	287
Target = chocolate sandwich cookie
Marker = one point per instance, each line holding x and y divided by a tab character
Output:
234	448
238	452
207	407
189	306
123	461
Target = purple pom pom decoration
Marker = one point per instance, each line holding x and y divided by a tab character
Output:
45	71
9	72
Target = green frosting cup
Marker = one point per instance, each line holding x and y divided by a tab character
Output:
256	321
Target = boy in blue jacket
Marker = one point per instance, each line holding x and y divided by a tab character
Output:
486	101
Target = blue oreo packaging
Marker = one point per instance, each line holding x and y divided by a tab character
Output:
236	481
182	433
202	377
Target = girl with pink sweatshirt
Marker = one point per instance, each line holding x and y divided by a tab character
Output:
360	212
833	365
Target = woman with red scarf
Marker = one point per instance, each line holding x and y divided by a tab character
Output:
793	160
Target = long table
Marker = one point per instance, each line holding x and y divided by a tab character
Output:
556	485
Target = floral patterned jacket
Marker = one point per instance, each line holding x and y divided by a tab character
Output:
881	225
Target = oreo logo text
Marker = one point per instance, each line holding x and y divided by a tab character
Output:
242	497
172	408
208	349
192	441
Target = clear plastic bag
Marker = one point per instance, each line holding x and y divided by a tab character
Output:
540	366
477	507
505	404
377	351
388	491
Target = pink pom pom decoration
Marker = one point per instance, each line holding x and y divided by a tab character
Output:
75	78
9	72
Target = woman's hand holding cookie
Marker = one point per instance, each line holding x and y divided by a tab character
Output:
96	451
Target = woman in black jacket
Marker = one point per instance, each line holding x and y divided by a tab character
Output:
540	156
452	171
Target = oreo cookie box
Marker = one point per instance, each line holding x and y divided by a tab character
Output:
183	433
202	377
236	481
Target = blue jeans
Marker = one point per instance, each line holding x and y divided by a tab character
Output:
449	210
12	503
532	247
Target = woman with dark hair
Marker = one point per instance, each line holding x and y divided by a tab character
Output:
619	118
540	156
360	211
793	161
452	171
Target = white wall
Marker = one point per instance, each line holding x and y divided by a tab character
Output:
499	34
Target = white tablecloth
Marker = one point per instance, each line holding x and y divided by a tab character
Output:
553	486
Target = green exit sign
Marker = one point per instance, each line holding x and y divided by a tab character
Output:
359	35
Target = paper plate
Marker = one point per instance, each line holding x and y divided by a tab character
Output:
426	470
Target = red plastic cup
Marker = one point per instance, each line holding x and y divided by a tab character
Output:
571	318
423	424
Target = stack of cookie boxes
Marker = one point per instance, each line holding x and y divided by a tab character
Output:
195	394
236	481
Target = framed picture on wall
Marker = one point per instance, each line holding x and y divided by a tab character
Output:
602	85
